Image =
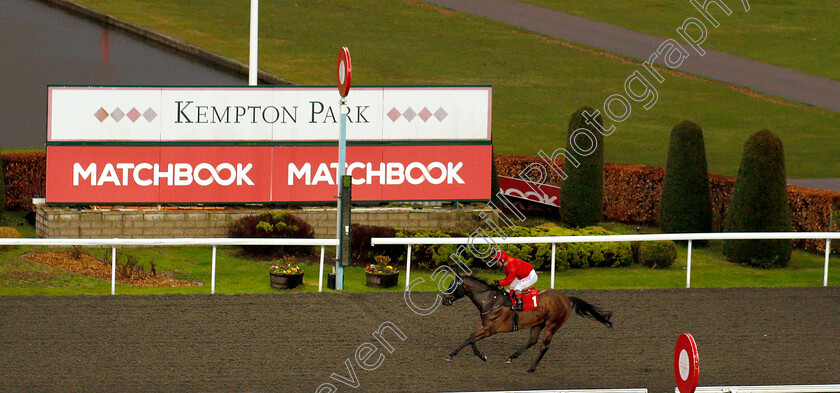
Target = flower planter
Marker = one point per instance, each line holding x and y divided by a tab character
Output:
381	280
285	281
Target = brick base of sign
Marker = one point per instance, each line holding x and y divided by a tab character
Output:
65	222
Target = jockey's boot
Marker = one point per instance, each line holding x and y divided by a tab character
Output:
516	301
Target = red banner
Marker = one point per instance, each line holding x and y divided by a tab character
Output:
227	174
541	193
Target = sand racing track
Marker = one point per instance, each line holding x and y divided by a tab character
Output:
294	342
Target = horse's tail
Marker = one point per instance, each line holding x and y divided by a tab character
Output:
587	310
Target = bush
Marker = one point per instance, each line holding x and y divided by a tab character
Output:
657	254
760	204
582	193
686	203
2	188
26	178
8	233
568	255
362	253
430	256
280	224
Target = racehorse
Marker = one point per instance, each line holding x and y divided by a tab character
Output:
493	303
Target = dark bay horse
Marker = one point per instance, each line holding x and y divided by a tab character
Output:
496	316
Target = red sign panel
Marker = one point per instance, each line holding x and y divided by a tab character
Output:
158	174
227	174
541	193
397	173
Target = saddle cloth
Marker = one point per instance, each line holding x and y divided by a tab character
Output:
530	299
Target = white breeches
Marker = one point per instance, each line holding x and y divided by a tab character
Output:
523	284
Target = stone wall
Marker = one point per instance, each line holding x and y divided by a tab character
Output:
63	222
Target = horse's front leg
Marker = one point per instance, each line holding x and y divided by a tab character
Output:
478	335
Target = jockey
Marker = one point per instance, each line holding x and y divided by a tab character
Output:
518	274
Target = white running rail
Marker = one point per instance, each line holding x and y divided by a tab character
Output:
553	240
567	391
767	389
208	241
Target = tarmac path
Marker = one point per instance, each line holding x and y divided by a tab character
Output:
756	75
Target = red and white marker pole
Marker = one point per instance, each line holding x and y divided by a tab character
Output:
686	367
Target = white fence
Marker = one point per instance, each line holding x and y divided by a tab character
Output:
409	241
554	240
767	389
642	390
178	242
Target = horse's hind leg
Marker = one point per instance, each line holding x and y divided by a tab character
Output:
535	336
546	341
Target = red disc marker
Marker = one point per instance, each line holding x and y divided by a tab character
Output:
686	368
344	71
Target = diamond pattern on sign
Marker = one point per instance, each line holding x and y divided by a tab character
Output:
441	114
393	114
101	115
150	115
409	114
117	114
425	114
133	114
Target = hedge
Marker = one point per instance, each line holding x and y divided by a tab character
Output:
568	255
632	195
759	203
26	178
584	184
686	205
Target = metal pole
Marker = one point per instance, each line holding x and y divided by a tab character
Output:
321	272
553	247
408	267
342	146
213	272
688	267
827	253
252	63
113	270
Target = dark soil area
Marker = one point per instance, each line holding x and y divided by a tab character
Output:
294	342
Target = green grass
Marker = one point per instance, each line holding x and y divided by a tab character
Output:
536	83
801	35
23	150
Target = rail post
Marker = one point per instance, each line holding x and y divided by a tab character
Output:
827	253
408	267
688	266
213	271
321	272
113	270
553	247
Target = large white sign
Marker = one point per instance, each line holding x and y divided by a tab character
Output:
276	114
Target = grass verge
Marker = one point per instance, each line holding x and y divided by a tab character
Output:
538	82
800	35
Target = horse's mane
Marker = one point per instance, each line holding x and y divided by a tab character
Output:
483	281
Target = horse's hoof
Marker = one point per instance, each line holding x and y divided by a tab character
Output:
482	357
530	370
448	358
508	360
